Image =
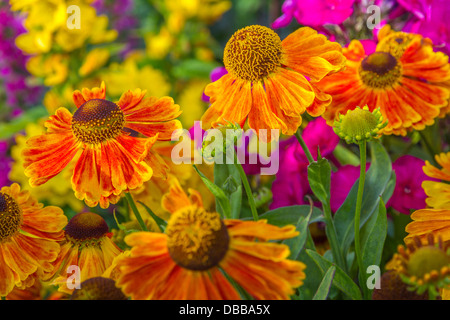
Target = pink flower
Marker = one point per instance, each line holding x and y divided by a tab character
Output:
314	12
430	19
291	183
408	193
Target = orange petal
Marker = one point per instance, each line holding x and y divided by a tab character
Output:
46	223
262	116
259	229
130	99
153	110
176	198
47	155
237	105
164	130
80	98
311	54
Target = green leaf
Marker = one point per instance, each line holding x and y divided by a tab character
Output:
325	285
290	215
319	177
373	237
160	222
377	179
297	243
222	200
341	280
227	177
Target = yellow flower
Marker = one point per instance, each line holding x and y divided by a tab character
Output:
127	75
54	68
191	100
207	11
94	60
159	45
47	27
438	192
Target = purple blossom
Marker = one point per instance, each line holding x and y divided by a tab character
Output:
430	19
314	13
408	193
5	164
19	93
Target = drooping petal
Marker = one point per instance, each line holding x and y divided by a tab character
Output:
311	54
48	154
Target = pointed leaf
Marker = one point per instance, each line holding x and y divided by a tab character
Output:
325	285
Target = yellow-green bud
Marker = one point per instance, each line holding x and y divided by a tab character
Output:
359	124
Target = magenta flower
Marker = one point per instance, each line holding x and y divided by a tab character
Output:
341	183
431	19
291	183
408	193
5	164
314	13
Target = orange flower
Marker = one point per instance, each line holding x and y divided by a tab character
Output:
188	260
436	219
87	246
107	158
266	81
404	78
29	235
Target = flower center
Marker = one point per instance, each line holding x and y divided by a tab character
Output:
10	217
380	70
98	288
396	43
86	226
97	120
427	259
253	53
197	240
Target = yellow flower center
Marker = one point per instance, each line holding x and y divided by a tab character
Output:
396	43
86	226
98	288
97	120
197	240
427	259
380	70
10	217
253	53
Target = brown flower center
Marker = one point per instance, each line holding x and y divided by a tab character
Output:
98	288
10	217
97	120
86	226
253	53
380	70
197	240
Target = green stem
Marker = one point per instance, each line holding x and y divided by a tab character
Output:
362	178
135	211
304	146
428	146
330	228
248	190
